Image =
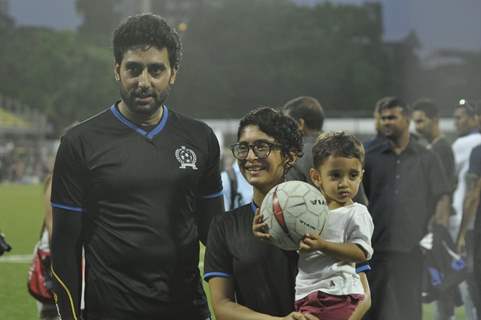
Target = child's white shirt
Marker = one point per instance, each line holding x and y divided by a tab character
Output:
320	272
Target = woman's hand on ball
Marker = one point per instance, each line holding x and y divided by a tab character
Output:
259	227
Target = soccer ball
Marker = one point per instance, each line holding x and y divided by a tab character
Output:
292	209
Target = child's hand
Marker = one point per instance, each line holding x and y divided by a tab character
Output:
311	242
259	227
299	316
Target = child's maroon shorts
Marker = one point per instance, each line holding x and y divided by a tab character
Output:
327	306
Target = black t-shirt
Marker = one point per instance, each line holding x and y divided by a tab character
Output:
138	192
443	149
263	275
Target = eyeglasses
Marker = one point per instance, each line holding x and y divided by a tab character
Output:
261	149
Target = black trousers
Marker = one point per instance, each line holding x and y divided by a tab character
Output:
396	284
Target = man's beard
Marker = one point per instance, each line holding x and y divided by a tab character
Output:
158	99
389	132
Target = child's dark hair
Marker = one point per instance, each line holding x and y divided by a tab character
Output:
338	144
144	31
272	122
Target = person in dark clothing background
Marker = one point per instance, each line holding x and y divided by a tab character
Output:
309	115
426	120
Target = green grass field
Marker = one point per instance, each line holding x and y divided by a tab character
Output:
20	219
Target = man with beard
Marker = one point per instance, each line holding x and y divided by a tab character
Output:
405	184
136	187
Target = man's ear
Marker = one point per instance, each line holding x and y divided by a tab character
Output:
117	72
302	124
173	76
315	177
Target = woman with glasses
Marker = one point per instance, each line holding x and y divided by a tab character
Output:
250	279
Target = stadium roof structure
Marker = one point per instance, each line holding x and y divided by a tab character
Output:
9	120
22	124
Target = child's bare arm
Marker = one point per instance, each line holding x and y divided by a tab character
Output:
365	304
349	252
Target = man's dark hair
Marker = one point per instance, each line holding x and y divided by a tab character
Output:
277	125
391	103
428	107
144	31
337	144
469	107
477	105
307	108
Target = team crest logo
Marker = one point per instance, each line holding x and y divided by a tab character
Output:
186	158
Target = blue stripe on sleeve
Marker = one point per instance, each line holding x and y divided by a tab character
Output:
214	195
362	268
69	208
209	275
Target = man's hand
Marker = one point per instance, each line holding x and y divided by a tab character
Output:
461	244
259	227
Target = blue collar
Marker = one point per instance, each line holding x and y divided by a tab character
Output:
253	207
150	134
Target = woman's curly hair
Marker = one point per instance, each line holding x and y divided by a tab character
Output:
272	122
144	31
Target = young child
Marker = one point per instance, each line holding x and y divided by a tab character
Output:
327	284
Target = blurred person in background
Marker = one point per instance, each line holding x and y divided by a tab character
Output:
467	128
472	212
378	138
472	216
426	120
309	115
237	191
47	311
136	187
403	182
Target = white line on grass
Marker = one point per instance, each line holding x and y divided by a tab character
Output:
19	258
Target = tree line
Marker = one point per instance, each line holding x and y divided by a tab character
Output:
237	55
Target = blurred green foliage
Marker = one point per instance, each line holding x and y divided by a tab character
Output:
238	55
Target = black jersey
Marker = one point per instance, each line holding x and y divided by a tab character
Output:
263	275
138	194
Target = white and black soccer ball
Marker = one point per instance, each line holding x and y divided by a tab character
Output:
292	209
